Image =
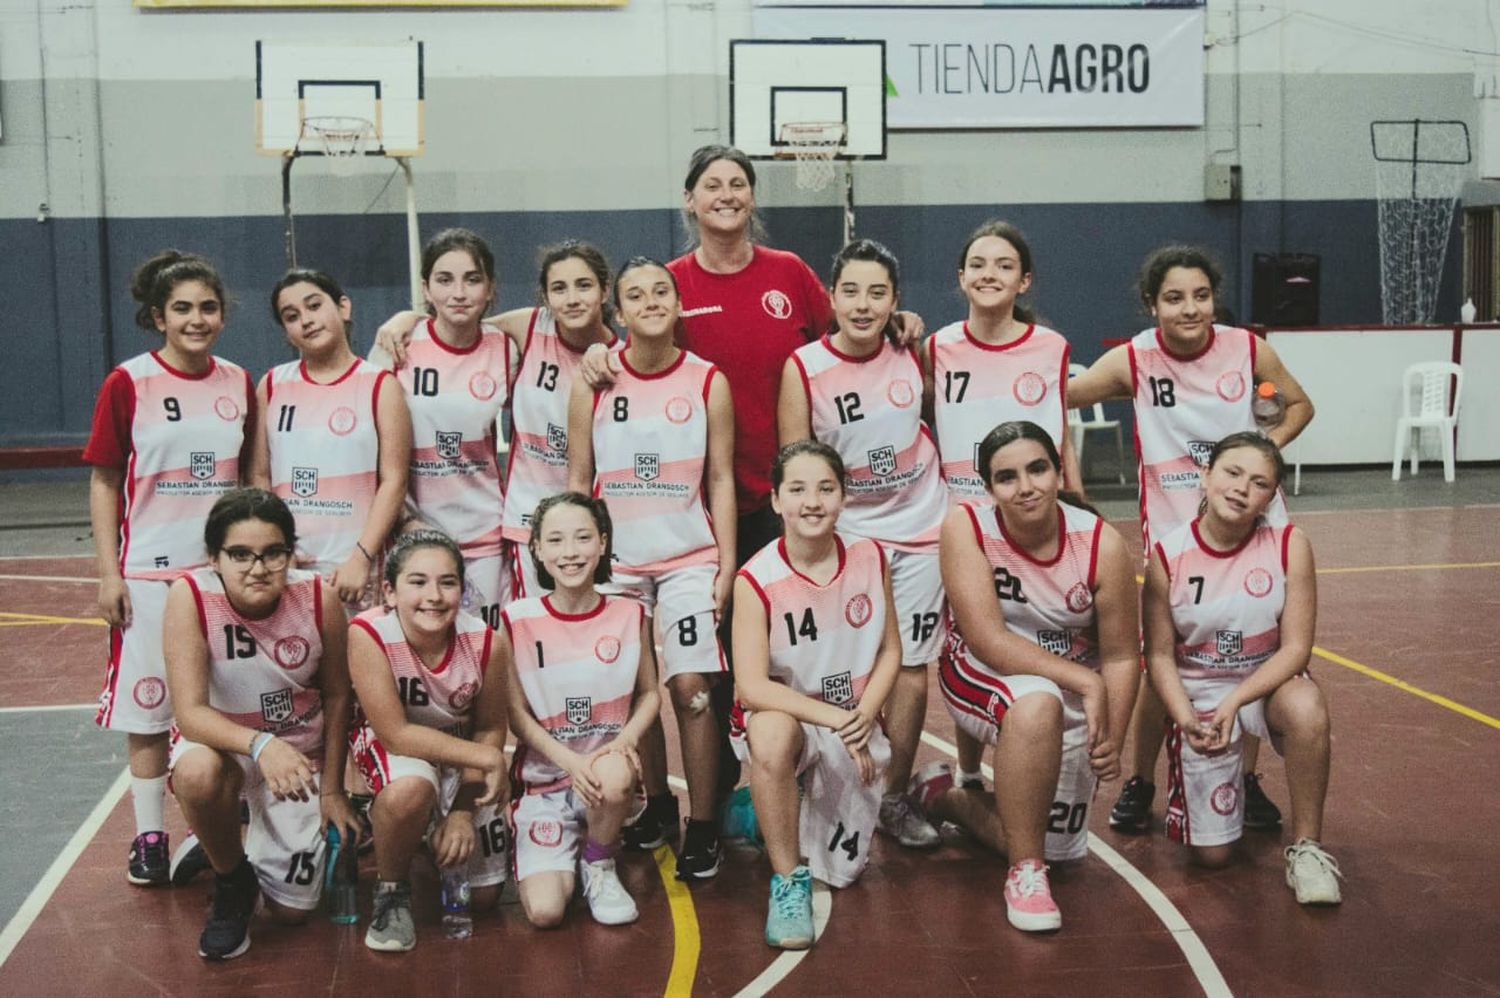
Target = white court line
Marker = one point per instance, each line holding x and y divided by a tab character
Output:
47	886
41	557
50	706
1199	961
45	578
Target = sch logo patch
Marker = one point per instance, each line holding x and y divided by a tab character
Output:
449	443
883	460
276	707
557	437
1200	451
1056	642
304	482
838	689
203	464
647	467
1228	643
579	710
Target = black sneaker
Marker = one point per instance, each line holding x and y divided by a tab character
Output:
1260	813
1132	812
150	860
188	860
699	859
654	825
226	934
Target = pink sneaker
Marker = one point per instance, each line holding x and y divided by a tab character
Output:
1028	898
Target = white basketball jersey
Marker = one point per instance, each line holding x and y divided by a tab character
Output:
1226	605
650	449
440	697
455	397
977	386
325	454
1049	603
869	409
539	424
186	435
263	673
1183	406
823	639
578	674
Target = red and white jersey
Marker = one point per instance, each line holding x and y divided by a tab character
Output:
178	438
455	397
1183	406
977	386
1050	603
1226	605
823	639
538	423
263	673
869	409
577	672
650	451
441	697
325	454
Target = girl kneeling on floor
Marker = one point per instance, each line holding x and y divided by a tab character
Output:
433	701
583	691
816	652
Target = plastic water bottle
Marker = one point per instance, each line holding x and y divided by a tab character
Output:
1468	313
457	922
1267	406
341	880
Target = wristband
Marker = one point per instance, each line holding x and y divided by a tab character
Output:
259	743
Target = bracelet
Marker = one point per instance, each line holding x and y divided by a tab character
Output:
362	551
259	743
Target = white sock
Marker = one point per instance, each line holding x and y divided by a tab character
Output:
975	777
149	798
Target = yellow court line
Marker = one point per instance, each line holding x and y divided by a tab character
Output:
1402	684
39	618
685	937
1408	568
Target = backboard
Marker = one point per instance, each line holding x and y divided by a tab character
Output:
298	81
776	82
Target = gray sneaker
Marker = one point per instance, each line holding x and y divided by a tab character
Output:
392	929
903	821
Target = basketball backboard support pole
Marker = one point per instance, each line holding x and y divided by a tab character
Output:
776	83
342	102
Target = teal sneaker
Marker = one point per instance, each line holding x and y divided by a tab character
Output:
737	818
789	923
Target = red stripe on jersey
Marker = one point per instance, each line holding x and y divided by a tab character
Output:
764	599
1094	553
1286	542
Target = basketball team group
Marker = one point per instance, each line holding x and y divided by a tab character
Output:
342	609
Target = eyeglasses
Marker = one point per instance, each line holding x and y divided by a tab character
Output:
275	558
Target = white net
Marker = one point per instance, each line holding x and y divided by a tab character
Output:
341	138
1420	168
814	144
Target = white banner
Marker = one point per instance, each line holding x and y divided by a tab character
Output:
977	3
1010	68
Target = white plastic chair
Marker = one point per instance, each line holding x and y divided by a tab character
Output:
1079	427
1429	382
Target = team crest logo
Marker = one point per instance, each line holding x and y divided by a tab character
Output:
448	442
647	467
858	610
607	649
483	386
883	460
547	834
1079	598
839	688
1228	642
776	304
304	482
579	709
557	437
1257	582
1225	798
679	410
291	652
1056	642
1199	451
203	464
342	421
460	697
1030	388
149	693
900	393
226	408
276	707
1231	386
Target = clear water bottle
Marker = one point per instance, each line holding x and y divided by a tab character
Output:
341	880
1268	407
457	922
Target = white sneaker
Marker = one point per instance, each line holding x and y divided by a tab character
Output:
609	902
902	820
1312	873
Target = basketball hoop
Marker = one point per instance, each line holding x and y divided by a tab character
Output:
343	139
813	144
